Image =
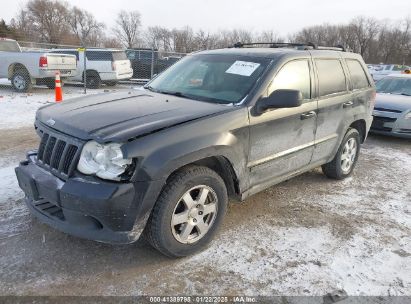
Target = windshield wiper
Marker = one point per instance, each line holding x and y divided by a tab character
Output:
178	94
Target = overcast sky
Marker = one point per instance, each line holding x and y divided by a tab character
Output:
284	16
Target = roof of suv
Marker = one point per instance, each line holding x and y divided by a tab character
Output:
90	50
276	52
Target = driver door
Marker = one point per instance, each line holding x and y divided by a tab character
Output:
282	140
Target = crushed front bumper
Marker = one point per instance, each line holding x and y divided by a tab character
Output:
88	207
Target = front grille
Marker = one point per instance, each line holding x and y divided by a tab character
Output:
49	209
379	121
58	153
387	110
406	131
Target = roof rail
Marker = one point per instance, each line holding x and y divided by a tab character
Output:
299	46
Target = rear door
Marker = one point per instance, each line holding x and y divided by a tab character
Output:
282	140
334	101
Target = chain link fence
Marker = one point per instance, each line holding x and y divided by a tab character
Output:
29	66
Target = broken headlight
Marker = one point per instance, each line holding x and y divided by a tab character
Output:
103	160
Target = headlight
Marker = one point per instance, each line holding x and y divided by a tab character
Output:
408	115
105	161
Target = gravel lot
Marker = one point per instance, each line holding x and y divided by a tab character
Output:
307	236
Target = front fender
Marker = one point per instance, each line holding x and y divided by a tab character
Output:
160	154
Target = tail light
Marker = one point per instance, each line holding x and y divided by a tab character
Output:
43	62
113	66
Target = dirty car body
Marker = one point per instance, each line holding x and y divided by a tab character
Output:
161	131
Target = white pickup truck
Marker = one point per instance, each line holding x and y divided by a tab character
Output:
25	69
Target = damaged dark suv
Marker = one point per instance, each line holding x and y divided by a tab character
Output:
163	160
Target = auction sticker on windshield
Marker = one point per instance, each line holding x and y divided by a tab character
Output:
243	68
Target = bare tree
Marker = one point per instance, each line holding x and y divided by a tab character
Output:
86	28
127	27
48	19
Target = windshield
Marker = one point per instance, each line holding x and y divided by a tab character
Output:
394	85
221	79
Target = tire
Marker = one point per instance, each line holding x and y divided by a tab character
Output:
184	237
111	83
21	81
346	158
93	80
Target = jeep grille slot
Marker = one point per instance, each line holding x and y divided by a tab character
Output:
58	153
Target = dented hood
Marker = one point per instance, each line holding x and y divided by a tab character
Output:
122	116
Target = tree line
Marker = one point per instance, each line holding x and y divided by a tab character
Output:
57	22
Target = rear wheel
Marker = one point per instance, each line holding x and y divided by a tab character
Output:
93	80
21	81
188	213
346	158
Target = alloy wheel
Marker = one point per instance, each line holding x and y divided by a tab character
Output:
194	214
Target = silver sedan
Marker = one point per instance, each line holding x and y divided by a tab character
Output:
392	111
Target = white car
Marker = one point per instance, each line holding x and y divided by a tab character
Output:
24	69
103	66
388	70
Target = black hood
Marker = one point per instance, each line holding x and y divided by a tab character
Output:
122	116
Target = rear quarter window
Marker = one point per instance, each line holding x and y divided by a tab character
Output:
331	77
358	77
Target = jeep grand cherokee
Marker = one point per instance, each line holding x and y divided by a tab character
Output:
163	161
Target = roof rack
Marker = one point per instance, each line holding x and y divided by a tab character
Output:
299	46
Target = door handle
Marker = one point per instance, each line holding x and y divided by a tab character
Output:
308	115
347	104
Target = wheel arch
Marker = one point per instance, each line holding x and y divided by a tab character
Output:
360	126
222	166
13	67
91	71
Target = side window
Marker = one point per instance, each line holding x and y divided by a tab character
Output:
358	77
331	77
99	56
293	75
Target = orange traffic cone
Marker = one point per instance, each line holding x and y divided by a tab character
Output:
59	92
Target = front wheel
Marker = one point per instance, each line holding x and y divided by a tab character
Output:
93	80
188	213
346	158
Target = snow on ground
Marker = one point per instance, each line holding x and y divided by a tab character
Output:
18	109
11	219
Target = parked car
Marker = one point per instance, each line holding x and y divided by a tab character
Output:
392	112
388	70
141	60
217	124
147	62
24	69
103	66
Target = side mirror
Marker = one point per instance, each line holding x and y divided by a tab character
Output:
283	98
